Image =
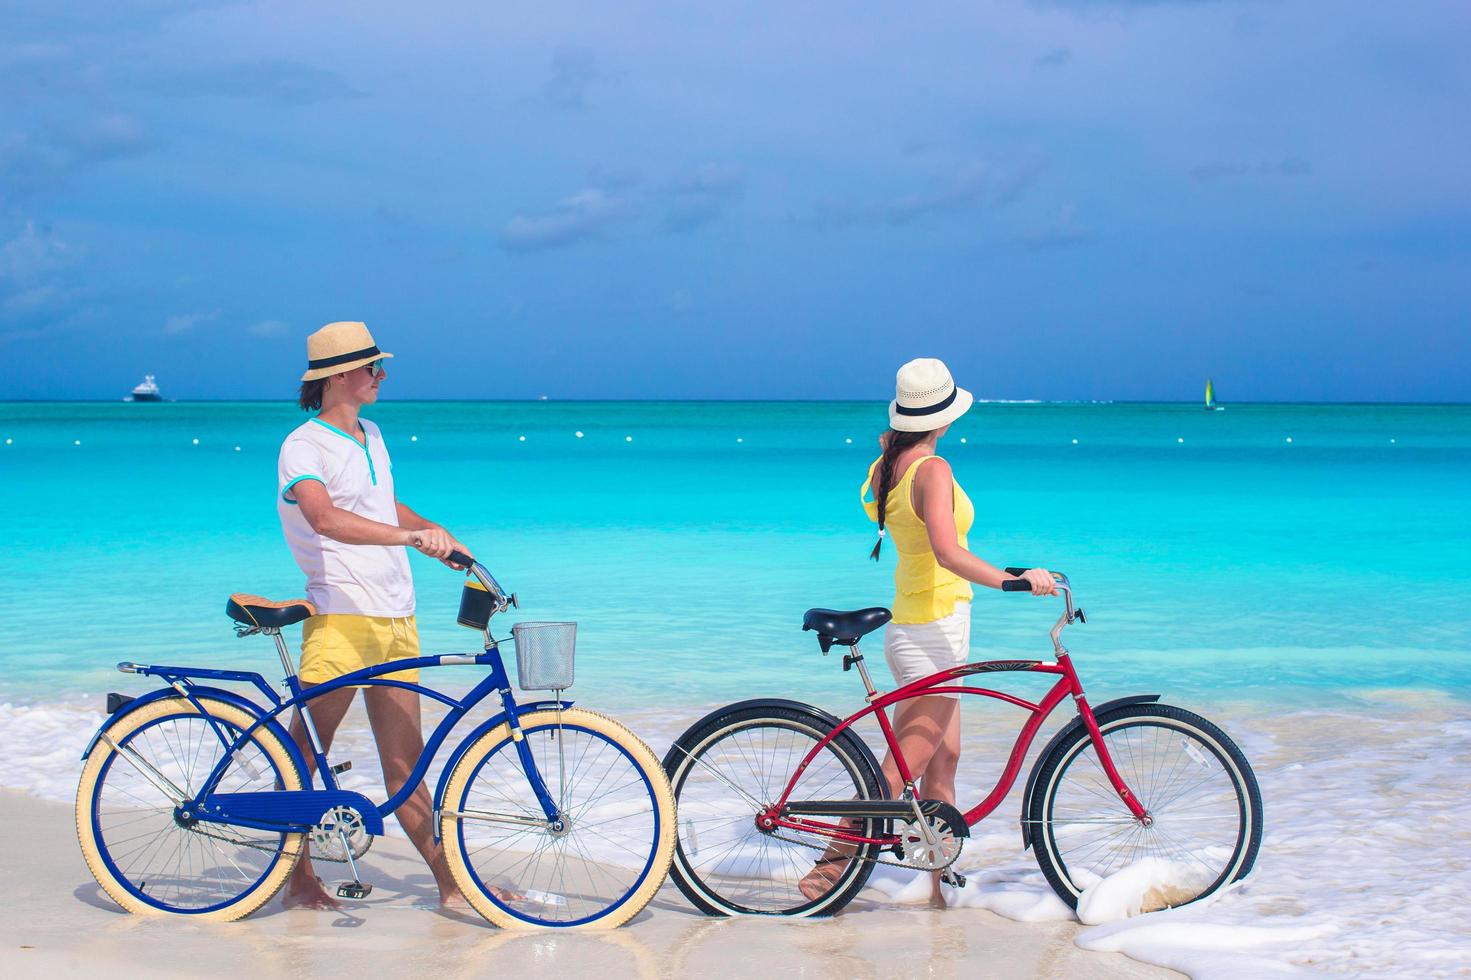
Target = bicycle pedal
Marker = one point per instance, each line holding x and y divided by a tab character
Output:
342	767
953	878
354	889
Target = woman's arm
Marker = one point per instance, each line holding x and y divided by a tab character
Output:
934	491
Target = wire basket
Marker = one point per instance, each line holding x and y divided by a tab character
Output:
544	654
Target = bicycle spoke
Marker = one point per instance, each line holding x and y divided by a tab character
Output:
719	790
179	866
1192	798
608	815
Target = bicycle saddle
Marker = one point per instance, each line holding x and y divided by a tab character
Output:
844	628
252	610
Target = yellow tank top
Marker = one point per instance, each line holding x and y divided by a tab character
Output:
924	591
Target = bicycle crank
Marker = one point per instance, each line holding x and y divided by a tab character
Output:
932	844
339	825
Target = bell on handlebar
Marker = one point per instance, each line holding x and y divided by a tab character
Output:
476	605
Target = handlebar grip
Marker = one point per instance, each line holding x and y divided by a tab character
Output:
1013	570
1016	585
460	558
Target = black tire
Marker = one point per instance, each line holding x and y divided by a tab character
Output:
706	804
1228	811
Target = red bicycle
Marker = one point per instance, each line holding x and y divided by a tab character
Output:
764	787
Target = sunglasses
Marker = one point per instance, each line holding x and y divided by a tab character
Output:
376	368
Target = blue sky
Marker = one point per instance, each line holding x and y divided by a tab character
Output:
1062	198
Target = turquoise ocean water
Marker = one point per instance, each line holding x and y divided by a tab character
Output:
1234	562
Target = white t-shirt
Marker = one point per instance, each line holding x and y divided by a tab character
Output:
364	579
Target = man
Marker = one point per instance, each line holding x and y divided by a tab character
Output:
347	530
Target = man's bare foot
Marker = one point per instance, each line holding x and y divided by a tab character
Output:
937	900
310	893
451	899
824	874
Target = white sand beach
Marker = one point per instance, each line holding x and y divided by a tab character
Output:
58	923
1362	872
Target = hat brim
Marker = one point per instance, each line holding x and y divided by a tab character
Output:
328	372
928	423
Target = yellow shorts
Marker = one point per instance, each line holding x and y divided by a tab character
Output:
334	644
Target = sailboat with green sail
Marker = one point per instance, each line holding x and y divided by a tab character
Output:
1210	397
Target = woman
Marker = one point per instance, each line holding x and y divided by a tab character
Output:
917	501
347	530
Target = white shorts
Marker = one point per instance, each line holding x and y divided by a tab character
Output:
916	650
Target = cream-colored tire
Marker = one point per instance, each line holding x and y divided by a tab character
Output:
142	858
614	851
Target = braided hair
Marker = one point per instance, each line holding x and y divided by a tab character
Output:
895	443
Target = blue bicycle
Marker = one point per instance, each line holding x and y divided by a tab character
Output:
195	800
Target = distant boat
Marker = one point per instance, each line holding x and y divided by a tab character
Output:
1210	397
146	391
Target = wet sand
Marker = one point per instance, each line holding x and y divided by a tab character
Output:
58	923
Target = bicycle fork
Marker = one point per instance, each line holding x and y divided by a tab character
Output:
1106	761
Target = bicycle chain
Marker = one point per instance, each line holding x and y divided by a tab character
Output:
872	860
258	845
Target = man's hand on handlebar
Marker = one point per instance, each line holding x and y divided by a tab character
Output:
436	542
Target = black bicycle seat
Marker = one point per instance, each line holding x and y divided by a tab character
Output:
844	628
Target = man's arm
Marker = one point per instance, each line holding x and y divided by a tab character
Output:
411	520
331	521
407	518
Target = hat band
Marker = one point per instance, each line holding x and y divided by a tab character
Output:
326	362
938	406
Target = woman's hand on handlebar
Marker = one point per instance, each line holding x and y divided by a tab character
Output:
1041	581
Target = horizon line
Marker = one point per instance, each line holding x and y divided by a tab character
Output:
699	401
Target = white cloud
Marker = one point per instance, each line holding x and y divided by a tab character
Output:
32	253
184	322
583	215
1061	230
700	196
268	328
573	70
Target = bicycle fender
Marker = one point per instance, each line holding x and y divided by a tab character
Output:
468	740
1064	732
219	694
833	720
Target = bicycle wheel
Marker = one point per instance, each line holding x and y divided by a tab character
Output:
1201	795
149	862
613	853
731	766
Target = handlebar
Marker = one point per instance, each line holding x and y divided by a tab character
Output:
1070	612
503	600
1017	585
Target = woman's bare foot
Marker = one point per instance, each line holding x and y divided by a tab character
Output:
937	893
309	893
824	874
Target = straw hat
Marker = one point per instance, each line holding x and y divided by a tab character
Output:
925	397
338	348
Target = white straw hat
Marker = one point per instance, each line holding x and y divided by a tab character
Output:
925	397
338	348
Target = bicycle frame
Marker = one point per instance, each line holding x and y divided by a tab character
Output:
180	680
947	682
